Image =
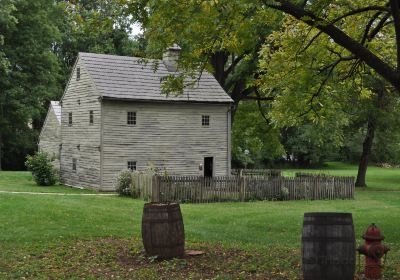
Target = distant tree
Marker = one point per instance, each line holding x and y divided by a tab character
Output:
254	142
311	144
99	26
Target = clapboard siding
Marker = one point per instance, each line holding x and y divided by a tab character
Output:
50	137
166	135
81	140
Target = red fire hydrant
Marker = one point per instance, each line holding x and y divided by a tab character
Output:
373	251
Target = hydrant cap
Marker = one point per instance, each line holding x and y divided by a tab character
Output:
373	233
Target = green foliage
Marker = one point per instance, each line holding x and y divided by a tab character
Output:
312	144
252	133
222	37
41	167
31	77
39	42
128	182
123	183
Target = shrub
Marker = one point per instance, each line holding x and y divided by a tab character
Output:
41	167
284	193
124	182
135	183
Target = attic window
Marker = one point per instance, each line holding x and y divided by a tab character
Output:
90	117
205	120
70	119
78	73
132	165
131	118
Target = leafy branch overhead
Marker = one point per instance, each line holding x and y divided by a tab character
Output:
383	21
221	37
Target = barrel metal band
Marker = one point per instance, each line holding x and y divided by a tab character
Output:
149	220
334	239
168	246
327	261
327	223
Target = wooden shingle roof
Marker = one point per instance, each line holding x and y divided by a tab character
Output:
131	78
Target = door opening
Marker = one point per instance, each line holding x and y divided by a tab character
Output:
208	166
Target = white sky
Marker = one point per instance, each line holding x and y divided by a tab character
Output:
136	29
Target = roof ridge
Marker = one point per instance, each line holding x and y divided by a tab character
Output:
141	79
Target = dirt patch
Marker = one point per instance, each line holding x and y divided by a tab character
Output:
115	258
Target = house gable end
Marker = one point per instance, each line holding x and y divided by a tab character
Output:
78	63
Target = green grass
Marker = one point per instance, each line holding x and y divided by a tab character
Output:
22	181
44	236
377	178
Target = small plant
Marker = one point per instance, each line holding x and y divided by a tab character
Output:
284	193
124	182
41	167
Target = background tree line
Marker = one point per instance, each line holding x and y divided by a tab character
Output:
39	42
311	81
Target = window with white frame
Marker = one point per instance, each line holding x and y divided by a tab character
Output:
131	118
132	165
205	120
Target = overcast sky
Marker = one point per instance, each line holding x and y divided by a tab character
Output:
136	29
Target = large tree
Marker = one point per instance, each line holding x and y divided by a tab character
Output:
223	37
6	21
30	76
319	82
99	26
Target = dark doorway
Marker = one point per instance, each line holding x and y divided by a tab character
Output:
208	166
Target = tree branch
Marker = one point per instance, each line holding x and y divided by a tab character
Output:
341	38
260	108
378	27
368	27
396	19
233	64
358	11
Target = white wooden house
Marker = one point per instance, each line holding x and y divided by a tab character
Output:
114	117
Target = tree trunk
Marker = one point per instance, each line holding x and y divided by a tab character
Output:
367	147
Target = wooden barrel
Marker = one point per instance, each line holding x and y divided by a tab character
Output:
328	246
162	230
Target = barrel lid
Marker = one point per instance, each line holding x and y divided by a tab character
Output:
327	214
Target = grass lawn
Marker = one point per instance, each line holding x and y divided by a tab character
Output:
377	178
98	237
21	181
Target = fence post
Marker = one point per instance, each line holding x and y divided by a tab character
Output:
155	189
242	188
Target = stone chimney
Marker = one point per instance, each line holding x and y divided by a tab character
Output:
171	57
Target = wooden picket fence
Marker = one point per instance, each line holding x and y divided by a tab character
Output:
256	172
195	189
143	183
